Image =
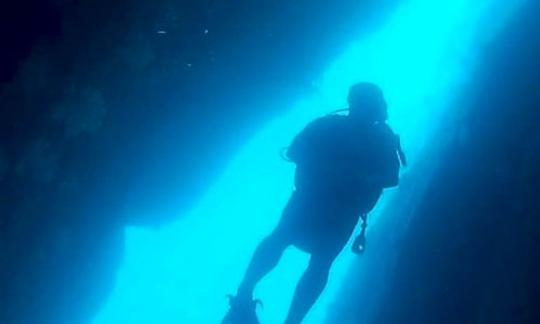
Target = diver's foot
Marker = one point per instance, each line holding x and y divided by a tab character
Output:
242	311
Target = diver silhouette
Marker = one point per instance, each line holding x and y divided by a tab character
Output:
343	164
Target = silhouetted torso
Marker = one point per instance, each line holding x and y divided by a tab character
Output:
337	158
342	168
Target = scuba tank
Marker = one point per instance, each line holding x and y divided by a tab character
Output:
359	245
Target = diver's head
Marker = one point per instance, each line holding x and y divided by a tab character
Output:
367	104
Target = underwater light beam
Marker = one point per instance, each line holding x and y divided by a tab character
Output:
421	57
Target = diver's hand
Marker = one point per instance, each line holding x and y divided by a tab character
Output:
359	244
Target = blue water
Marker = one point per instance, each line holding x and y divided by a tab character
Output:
422	56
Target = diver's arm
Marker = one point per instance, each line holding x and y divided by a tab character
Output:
389	164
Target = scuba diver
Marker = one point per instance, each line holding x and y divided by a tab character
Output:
343	164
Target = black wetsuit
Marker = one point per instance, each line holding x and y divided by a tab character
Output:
342	169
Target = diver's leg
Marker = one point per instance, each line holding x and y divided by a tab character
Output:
265	259
310	287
